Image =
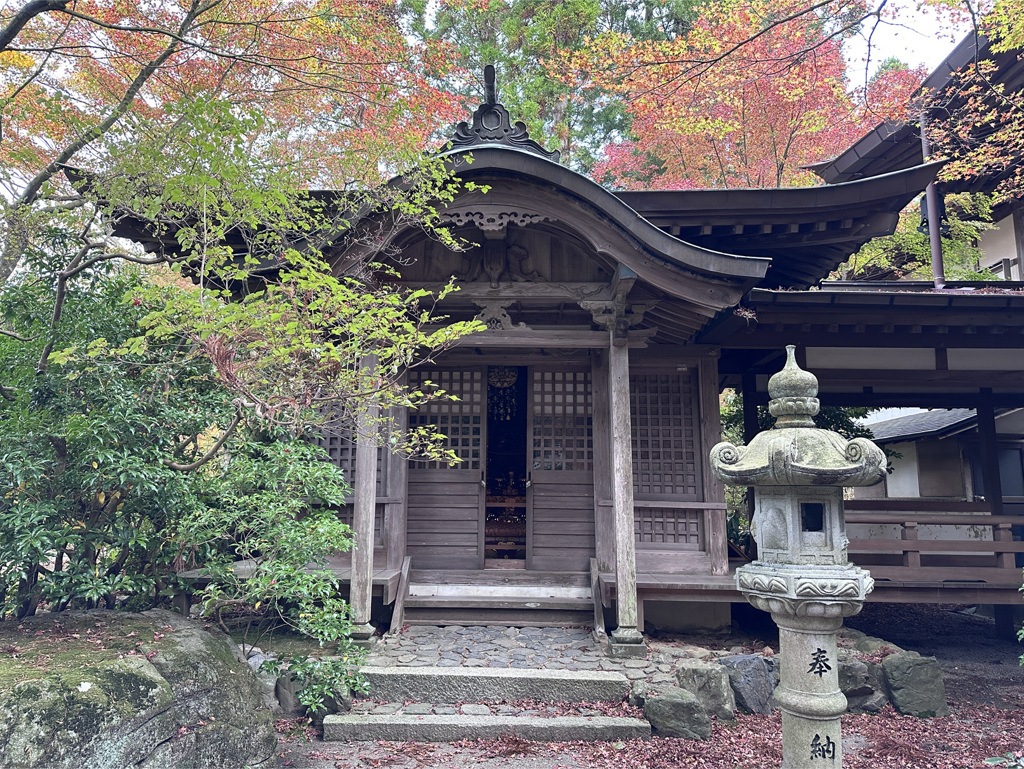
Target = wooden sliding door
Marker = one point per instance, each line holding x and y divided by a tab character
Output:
445	504
560	498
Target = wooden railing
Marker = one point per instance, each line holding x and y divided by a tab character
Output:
696	538
990	558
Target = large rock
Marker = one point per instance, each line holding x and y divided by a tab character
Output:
868	644
709	683
677	713
915	684
862	683
753	679
116	690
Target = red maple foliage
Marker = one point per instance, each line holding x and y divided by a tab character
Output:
752	94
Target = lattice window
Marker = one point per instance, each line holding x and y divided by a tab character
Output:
345	514
341	447
658	527
562	430
461	420
665	434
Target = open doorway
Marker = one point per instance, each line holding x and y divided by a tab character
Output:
505	504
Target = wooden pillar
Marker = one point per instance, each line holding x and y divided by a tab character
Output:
627	631
751	427
750	424
989	454
716	539
396	515
365	508
604	519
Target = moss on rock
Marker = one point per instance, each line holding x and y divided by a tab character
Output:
108	689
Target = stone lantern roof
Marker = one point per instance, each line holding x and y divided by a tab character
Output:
795	452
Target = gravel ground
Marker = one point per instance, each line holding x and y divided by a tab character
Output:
984	685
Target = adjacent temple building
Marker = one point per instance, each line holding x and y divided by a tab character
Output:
587	409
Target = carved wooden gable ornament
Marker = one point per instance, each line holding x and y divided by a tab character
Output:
493	125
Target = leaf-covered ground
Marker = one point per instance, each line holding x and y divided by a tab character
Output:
960	741
984	685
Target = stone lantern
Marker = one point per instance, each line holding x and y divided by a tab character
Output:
802	575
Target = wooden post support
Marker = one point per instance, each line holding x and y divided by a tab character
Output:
604	518
750	429
1003	532
627	632
989	454
911	558
716	538
365	508
396	516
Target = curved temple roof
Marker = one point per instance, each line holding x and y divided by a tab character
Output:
705	247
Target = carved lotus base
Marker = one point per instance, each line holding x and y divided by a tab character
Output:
805	591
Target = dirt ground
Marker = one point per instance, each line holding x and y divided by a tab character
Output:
984	686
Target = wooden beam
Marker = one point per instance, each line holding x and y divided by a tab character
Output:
917	377
550	338
627	631
515	291
761	337
622	282
364	509
918	399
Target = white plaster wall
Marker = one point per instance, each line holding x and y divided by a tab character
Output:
900	358
982	359
1011	424
998	244
903	480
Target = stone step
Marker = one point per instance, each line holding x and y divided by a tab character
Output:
451	685
448	728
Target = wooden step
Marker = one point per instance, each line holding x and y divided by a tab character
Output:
500	577
549	603
514	617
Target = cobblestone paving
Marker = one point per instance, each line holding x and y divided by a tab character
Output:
528	648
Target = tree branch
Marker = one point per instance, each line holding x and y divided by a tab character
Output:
10	257
28	12
213	450
15	335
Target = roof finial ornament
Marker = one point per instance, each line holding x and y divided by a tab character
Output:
490	89
492	125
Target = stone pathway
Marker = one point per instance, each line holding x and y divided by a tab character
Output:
528	648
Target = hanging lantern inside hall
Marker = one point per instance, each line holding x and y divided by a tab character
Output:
501	396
